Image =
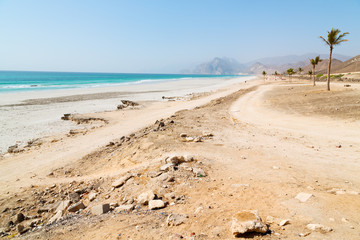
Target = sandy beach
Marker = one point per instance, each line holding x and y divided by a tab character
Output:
242	147
43	109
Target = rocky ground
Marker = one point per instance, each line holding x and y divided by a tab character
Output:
218	171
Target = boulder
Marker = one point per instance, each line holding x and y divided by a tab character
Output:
156	204
247	221
166	177
100	209
74	197
56	217
284	222
63	205
75	207
176	219
20	217
319	228
176	160
126	208
145	197
121	181
92	196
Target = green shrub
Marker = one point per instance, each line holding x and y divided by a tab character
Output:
319	75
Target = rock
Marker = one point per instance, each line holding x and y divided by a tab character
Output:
284	222
100	209
122	180
166	167
207	134
198	139
165	177
21	229
20	217
145	197
169	195
156	204
198	210
269	219
176	160
344	220
247	221
183	135
319	228
127	103
63	205
352	192
188	158
199	172
74	197
189	139
303	197
75	207
66	116
126	207
56	217
276	167
92	196
176	219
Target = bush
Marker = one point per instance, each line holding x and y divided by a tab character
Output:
337	76
319	75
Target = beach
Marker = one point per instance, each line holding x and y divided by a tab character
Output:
238	148
44	109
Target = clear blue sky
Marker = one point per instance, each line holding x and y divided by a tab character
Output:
165	36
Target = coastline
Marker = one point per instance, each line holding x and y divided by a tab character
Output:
31	115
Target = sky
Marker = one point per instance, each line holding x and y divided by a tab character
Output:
166	36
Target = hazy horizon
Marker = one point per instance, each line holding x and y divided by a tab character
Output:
163	36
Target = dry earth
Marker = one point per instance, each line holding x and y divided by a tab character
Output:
268	143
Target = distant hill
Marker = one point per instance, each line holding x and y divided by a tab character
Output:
322	66
351	65
220	66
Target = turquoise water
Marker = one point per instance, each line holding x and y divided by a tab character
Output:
12	81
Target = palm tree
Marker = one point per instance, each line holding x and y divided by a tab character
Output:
290	71
333	38
315	62
264	74
310	73
276	73
300	70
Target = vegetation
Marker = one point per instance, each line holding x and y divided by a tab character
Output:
276	73
310	73
333	38
319	75
290	72
315	62
264	74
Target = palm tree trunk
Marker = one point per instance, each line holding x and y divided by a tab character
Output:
329	68
314	75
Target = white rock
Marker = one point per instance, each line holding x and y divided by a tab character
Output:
269	219
344	220
156	204
175	219
92	196
188	158
276	167
318	227
189	139
145	197
331	219
247	221
166	167
100	209
352	192
56	217
121	181
199	172
122	208
303	197
176	160
198	210
198	139
63	206
284	222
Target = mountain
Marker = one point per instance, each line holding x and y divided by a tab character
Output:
351	65
322	66
220	66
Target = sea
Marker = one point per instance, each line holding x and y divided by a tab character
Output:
20	81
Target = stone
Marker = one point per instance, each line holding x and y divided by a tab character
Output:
145	197
100	209
344	220
92	196
156	204
188	158
74	197
199	172
303	197
284	222
20	217
269	219
56	217
166	167
189	139
319	228
198	139
169	195
207	134
125	207
176	160
63	205
121	181
183	135
176	219
20	228
276	167
75	207
247	221
199	210
165	177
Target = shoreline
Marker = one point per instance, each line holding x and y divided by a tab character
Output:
44	109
